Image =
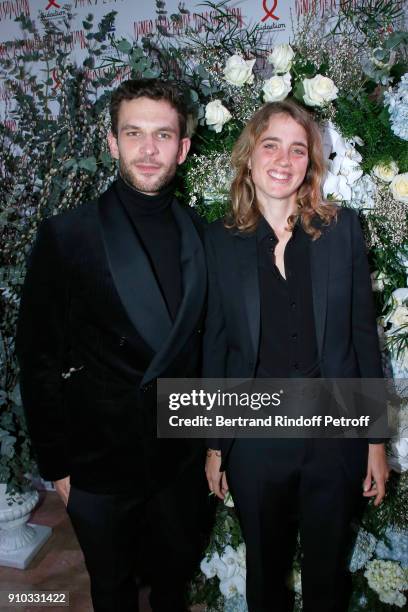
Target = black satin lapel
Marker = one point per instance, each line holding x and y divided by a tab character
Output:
194	275
247	258
319	263
132	273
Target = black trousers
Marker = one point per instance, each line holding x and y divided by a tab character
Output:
122	535
282	486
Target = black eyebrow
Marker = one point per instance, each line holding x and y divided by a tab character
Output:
130	126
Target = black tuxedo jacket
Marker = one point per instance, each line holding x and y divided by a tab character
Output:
94	334
342	302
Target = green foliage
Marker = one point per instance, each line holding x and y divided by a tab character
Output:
361	117
46	165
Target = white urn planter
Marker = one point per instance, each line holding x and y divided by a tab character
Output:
19	540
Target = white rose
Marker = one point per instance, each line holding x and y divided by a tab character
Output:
277	88
319	91
399	187
378	281
238	71
386	172
281	58
216	115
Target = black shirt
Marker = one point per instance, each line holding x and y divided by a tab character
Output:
288	346
159	234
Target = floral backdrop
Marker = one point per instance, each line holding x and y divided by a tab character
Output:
351	71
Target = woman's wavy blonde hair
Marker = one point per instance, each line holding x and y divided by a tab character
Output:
245	213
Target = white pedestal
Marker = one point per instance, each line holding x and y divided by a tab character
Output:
19	541
23	556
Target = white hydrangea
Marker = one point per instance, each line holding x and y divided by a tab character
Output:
363	193
394	547
363	550
388	580
397	102
398	450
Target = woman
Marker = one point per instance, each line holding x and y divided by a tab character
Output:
290	297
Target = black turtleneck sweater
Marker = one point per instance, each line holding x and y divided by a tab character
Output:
159	234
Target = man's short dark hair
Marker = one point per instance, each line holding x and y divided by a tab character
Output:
153	89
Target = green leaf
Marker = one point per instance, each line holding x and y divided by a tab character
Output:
124	46
88	164
70	163
106	159
299	91
136	54
150	74
395	39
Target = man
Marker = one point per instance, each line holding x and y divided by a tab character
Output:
114	299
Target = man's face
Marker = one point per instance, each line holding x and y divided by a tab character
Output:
148	144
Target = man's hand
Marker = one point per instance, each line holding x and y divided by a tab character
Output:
62	487
377	473
217	481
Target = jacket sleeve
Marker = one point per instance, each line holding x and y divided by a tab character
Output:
215	335
40	351
364	325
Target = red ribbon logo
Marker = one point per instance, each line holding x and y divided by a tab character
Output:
52	3
55	78
269	12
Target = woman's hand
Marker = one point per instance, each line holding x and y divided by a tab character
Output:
217	481
377	473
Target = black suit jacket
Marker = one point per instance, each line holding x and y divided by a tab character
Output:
94	334
342	302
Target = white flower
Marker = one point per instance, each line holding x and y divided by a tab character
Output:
277	88
228	501
281	58
398	461
235	585
387	579
399	187
319	91
336	186
208	566
344	168
400	296
398	317
241	555
238	71
216	115
386	172
398	458
363	550
333	141
227	565
378	280
363	193
351	170
295	581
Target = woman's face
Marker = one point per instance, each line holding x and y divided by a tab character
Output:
279	160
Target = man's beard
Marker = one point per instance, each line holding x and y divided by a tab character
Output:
129	176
